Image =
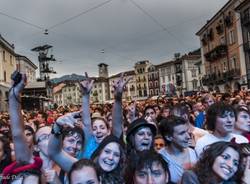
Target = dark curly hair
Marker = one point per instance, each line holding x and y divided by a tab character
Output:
214	111
203	167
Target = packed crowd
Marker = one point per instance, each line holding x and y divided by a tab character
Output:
202	139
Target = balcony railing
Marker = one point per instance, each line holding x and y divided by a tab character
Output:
217	53
220	78
245	20
247	46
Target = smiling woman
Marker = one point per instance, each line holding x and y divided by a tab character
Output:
219	163
109	158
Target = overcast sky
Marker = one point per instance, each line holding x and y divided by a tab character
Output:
127	30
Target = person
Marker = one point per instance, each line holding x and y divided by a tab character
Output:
41	146
83	171
177	153
242	124
149	112
140	136
26	168
219	164
181	110
158	142
220	120
97	129
147	168
109	158
5	153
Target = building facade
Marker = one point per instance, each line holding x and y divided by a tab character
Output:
166	77
141	77
24	65
222	52
7	67
153	81
129	92
243	9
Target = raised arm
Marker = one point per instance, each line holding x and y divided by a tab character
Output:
86	86
117	117
22	151
55	151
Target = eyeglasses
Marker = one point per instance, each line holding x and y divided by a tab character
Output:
43	137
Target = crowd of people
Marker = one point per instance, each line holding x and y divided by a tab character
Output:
199	139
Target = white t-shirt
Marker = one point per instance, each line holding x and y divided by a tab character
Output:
177	170
210	139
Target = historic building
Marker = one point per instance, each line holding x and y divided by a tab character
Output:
221	51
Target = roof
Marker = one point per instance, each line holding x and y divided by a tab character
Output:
100	79
127	73
241	5
58	88
26	60
36	84
164	64
9	47
102	64
214	17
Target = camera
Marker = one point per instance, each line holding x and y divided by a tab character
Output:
16	77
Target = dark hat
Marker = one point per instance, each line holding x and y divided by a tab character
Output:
104	142
138	123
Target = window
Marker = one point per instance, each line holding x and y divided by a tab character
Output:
4	76
194	84
3	55
193	73
231	37
11	62
233	62
222	40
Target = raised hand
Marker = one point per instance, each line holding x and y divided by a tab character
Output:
119	86
68	120
18	88
86	85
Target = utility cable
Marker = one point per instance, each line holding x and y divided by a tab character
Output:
21	20
80	14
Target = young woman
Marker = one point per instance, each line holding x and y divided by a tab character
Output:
109	158
219	164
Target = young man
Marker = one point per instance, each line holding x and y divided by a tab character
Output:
178	155
148	168
220	120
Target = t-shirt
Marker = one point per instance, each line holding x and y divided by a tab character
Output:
176	169
90	145
210	139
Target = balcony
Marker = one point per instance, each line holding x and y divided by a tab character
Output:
245	20
247	46
218	52
220	78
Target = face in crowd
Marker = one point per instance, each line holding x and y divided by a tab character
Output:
226	164
151	175
72	143
100	130
225	123
83	172
181	136
143	139
109	157
42	139
159	143
150	112
243	122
